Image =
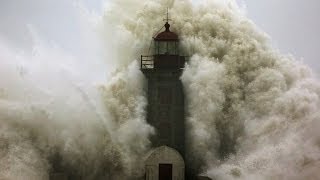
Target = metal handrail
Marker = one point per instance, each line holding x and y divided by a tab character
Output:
147	62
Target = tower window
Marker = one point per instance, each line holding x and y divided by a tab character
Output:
166	47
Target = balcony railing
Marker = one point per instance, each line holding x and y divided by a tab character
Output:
147	62
162	62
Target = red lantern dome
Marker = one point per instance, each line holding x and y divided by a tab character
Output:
167	35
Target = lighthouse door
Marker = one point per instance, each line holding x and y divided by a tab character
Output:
165	171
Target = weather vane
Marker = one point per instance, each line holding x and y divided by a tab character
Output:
167	19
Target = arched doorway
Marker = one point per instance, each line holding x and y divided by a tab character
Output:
165	163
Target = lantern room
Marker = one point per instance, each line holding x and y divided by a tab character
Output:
166	52
166	42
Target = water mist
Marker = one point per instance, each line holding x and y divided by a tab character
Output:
251	112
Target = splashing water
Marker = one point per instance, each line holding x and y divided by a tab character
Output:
251	112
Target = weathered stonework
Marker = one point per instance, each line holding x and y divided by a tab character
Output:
166	108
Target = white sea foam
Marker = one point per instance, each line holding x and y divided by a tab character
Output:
251	112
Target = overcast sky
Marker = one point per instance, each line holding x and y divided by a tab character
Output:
293	25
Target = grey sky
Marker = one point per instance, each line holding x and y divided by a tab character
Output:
57	21
293	25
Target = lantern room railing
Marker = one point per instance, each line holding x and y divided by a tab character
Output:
162	62
147	62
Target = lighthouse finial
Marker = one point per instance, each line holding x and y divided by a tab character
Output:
167	25
167	14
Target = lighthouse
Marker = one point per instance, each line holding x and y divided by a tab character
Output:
165	110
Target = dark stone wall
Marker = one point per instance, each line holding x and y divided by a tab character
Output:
166	108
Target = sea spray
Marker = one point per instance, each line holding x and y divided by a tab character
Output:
251	112
249	107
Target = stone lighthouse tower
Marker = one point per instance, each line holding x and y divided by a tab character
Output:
165	109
